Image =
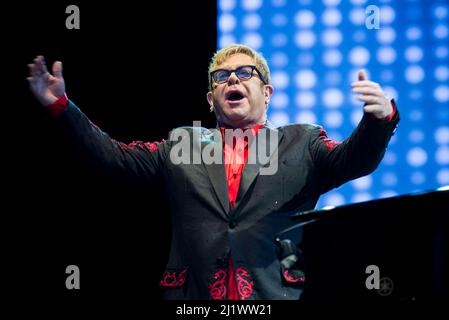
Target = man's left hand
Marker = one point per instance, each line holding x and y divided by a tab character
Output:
376	103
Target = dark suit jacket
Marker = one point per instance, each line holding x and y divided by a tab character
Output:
205	230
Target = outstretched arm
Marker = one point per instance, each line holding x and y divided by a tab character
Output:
137	160
361	153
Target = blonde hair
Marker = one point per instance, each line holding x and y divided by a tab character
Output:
221	55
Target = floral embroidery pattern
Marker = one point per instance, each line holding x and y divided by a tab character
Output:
217	290
292	278
150	146
174	279
244	283
330	144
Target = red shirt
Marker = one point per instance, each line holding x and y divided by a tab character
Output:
235	156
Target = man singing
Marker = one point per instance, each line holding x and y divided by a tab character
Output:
225	214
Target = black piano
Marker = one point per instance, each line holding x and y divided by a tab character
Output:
405	237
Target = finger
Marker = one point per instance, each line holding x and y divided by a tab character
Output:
365	83
368	91
40	64
369	99
57	69
362	75
372	108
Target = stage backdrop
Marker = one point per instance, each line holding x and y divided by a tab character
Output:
315	48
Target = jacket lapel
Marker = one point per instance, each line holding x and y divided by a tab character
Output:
252	170
216	171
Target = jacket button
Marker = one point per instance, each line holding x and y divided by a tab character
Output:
232	224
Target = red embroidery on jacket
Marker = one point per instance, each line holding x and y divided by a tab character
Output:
291	278
150	146
244	285
330	144
217	290
174	279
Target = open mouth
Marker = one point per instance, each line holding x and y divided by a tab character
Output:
235	97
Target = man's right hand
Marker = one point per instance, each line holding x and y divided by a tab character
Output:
46	88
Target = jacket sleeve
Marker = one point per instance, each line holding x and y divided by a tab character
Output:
358	155
140	161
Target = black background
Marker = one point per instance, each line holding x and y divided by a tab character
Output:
136	69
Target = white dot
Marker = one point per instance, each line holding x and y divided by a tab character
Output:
305	19
278	3
413	33
331	2
442	135
359	56
305	39
386	55
252	21
441	52
358	36
441	93
279	40
332	58
356	116
251	4
334	199
417	177
279	59
415	94
386	15
415	115
305	59
442	73
414	74
387	194
390	158
331	37
331	17
227	5
386	35
387	75
362	183
440	12
279	100
389	179
305	117
305	99
332	98
442	155
226	39
443	176
413	54
279	20
279	119
333	78
253	40
416	157
280	79
227	22
441	31
358	2
361	197
305	79
357	16
416	136
333	119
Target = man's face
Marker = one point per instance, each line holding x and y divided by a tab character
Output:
239	103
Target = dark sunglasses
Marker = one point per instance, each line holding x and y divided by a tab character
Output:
242	72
